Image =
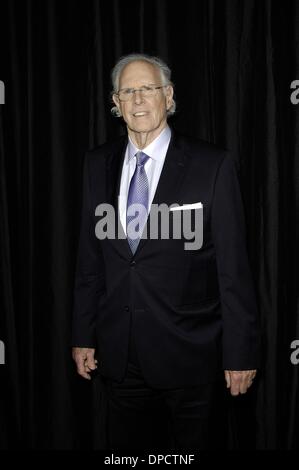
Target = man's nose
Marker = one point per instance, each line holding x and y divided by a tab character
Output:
138	96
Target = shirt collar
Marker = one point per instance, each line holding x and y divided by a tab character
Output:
153	150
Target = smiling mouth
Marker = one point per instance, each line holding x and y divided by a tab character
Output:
140	114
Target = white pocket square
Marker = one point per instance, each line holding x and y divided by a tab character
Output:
195	205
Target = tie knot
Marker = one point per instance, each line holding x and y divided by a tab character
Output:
141	158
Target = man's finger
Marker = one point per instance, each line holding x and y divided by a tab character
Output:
236	380
227	378
81	365
81	369
235	389
90	364
244	386
90	360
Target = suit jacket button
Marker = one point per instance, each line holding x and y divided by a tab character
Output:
132	263
127	308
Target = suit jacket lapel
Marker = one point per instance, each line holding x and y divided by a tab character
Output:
114	164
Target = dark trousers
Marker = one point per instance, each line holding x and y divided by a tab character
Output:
142	417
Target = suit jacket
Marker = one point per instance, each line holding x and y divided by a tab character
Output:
192	312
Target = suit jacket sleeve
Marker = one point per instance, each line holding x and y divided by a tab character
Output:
241	337
89	283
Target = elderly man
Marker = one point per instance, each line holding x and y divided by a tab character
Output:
163	320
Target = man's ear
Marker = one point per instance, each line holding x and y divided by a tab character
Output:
169	97
116	102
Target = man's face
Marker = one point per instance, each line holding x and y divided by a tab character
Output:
144	114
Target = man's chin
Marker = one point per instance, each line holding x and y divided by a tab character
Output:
142	129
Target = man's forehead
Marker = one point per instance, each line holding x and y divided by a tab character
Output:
139	70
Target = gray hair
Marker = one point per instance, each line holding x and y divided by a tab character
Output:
165	73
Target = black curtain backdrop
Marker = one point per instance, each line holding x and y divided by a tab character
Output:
233	62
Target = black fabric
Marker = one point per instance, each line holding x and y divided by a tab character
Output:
233	63
141	417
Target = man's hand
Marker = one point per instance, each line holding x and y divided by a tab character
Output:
85	361
239	381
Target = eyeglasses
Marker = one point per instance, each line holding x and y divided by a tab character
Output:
126	94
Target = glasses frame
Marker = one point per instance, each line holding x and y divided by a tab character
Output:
133	90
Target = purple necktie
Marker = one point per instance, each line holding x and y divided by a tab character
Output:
138	194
